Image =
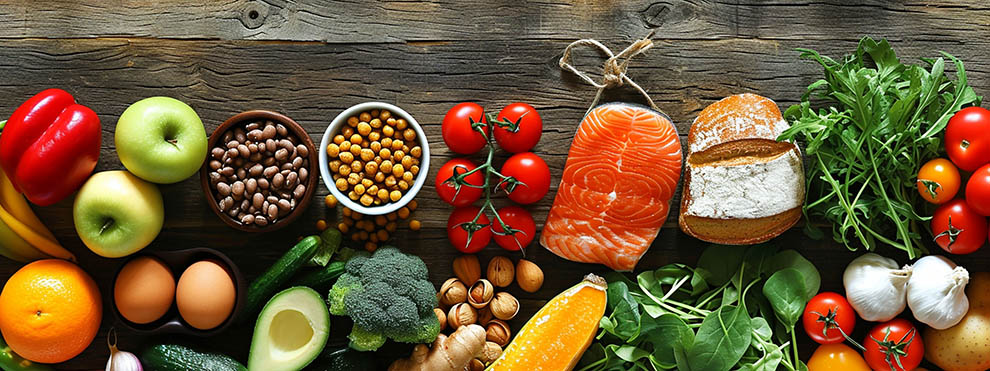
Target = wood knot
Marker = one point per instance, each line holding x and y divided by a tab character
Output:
253	14
656	14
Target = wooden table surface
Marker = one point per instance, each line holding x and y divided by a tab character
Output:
312	60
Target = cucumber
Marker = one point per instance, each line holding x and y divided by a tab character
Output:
329	244
10	361
262	288
321	280
171	357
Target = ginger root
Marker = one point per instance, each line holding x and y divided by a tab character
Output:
452	353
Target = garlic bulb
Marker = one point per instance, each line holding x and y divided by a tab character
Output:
936	292
120	360
875	287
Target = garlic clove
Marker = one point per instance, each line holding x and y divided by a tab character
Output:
875	287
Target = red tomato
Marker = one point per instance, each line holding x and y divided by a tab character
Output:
938	181
828	310
516	218
893	340
534	174
460	222
958	229
448	191
967	138
457	128
524	131
978	191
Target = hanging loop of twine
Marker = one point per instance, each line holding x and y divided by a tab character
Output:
614	68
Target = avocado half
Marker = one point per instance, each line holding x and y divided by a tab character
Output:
291	331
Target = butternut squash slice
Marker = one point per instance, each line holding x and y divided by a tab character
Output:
558	334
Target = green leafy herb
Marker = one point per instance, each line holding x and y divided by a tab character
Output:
880	121
736	310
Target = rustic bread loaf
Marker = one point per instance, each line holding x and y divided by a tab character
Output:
741	186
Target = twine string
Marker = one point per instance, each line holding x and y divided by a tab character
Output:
614	68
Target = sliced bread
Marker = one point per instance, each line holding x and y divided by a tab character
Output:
741	186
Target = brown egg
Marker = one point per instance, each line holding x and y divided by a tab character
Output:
144	290
206	294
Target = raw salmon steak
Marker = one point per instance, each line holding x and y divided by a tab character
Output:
619	179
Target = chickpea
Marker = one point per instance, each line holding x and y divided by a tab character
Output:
376	146
390	121
382	235
365	116
385	167
370	247
385	153
403	185
353	178
346	157
352	121
344	170
397	170
395	196
363	235
347	132
375	123
414	225
378	160
355	150
342	227
391	217
333	150
414	169
400	124
367	182
385	115
374	136
396	145
364	128
382	194
403	213
344	146
397	156
356	166
341	184
387	143
359	189
379	177
390	181
353	196
412	205
321	225
347	212
373	237
380	220
338	139
330	201
416	151
375	112
371	168
390	227
405	148
408	177
367	155
373	189
388	131
409	134
407	162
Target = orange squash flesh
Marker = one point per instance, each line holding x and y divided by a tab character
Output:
558	334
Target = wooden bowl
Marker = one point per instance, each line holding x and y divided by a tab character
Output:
178	261
311	181
338	123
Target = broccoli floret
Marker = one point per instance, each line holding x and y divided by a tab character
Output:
364	340
386	294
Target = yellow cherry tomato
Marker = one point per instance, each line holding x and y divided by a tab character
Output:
836	357
938	181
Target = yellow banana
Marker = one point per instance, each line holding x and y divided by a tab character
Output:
34	238
16	205
16	248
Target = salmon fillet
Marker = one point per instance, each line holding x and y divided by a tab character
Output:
619	179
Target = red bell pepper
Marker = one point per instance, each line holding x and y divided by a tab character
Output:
50	146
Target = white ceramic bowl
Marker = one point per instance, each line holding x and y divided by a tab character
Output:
336	125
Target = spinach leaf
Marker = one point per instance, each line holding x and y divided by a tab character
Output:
719	263
772	356
625	317
665	333
786	292
809	273
721	340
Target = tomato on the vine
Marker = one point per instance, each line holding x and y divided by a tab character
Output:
448	191
458	128
466	234
518	219
894	345
837	357
524	128
967	138
938	181
532	172
958	228
978	190
827	317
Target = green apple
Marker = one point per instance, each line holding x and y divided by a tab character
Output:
116	213
161	140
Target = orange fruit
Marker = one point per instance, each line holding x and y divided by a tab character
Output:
50	311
